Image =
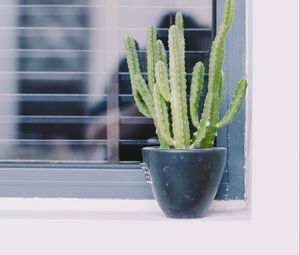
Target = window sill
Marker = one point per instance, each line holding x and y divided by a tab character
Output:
108	210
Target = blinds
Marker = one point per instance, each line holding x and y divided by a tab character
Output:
64	84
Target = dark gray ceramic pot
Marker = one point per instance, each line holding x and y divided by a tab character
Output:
184	182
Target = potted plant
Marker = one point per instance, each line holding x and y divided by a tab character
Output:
185	171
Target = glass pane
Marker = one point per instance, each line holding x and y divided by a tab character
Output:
65	92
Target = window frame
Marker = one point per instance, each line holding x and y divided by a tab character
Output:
96	180
234	68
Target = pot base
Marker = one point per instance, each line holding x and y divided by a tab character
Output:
184	215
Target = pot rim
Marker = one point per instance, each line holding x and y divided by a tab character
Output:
156	148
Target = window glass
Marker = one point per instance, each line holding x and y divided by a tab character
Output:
64	86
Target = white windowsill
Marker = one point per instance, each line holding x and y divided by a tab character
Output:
108	210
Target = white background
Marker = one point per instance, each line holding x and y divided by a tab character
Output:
273	59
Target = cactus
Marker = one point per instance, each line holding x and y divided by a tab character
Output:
166	88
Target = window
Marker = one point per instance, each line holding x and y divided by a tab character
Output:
69	126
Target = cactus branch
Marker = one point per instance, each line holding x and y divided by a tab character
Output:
235	105
141	105
211	133
142	89
132	57
217	51
196	91
160	117
179	22
221	87
134	69
165	112
204	122
151	56
178	89
161	52
215	74
162	79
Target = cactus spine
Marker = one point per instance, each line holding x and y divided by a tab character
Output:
166	89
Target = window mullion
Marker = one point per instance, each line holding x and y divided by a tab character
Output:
113	113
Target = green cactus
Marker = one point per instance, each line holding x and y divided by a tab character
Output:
166	89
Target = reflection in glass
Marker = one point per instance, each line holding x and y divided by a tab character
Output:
65	93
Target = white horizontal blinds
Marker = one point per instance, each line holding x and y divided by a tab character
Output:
51	77
64	35
64	84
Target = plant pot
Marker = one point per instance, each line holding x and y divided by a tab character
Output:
184	182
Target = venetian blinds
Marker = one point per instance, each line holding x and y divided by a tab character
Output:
64	85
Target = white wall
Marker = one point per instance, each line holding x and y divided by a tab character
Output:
274	181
